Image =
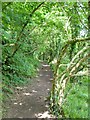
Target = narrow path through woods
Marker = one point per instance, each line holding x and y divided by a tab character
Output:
29	101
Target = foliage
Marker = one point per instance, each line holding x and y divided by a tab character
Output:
79	92
53	32
17	68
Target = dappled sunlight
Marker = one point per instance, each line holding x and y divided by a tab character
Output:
27	94
15	103
20	117
20	103
48	75
13	99
19	88
29	109
33	98
45	48
38	80
41	75
44	65
48	89
37	69
47	106
46	114
51	79
54	61
34	91
36	76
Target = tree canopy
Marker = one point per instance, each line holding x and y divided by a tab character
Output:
56	32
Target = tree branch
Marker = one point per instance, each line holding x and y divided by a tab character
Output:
62	53
71	65
64	48
80	73
20	44
25	24
64	79
32	51
73	59
81	20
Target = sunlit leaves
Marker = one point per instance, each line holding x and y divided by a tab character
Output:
42	38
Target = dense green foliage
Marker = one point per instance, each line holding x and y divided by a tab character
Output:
36	31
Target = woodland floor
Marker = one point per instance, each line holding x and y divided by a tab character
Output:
30	101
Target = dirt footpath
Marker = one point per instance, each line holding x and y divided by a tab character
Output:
30	101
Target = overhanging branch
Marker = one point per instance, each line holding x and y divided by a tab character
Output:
64	48
24	25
